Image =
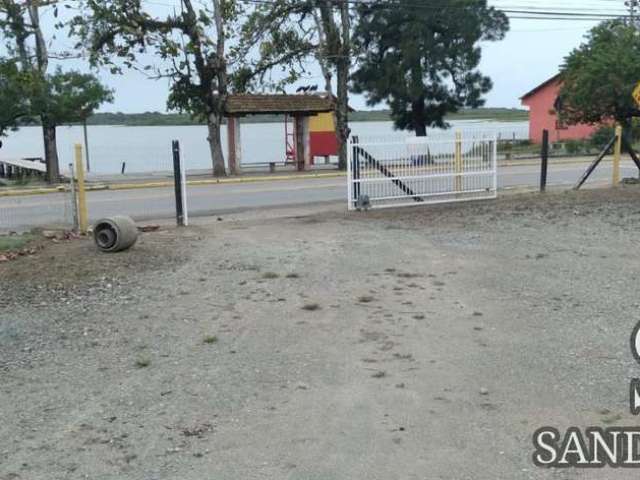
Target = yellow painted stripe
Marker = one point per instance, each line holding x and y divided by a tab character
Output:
165	184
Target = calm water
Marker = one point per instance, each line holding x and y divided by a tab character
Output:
147	149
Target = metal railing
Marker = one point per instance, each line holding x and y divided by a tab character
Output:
411	171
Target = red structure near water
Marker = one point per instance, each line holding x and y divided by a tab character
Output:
543	103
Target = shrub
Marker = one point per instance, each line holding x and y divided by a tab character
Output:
601	137
573	147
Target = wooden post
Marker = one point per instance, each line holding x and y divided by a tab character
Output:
545	160
306	132
300	143
86	144
615	180
83	217
74	199
458	161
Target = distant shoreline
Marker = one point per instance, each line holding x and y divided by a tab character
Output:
157	119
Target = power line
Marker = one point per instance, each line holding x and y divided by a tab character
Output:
528	12
594	12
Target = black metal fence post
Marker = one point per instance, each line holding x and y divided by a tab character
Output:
545	160
177	180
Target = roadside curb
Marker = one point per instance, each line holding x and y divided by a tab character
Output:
144	185
558	161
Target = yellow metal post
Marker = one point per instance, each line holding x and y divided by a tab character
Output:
458	161
616	156
83	217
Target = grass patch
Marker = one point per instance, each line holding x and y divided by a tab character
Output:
143	362
270	275
293	275
210	339
14	242
311	307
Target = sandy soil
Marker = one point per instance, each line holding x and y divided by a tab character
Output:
425	343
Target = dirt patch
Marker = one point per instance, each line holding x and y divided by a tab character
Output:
420	343
76	264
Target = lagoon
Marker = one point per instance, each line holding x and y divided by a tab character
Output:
148	149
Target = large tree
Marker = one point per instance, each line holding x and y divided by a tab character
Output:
187	45
423	59
599	77
54	98
194	46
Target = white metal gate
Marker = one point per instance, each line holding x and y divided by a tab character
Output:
413	171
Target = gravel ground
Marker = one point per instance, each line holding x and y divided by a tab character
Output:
425	343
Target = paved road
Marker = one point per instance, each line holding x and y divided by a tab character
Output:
18	213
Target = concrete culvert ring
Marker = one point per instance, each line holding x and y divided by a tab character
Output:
115	234
106	237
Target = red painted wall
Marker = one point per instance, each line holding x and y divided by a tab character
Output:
324	144
542	116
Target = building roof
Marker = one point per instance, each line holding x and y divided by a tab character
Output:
541	86
303	104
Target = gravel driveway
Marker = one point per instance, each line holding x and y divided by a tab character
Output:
424	343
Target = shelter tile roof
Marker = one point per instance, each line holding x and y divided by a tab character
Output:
249	104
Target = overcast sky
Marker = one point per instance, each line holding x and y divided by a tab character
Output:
531	53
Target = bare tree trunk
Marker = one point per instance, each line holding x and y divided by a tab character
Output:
342	117
215	119
215	145
417	114
321	55
343	67
42	63
50	151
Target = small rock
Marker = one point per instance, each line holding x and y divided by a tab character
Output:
50	234
149	228
484	391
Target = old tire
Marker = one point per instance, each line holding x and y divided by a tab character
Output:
115	234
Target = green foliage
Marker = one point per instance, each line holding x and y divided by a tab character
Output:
13	104
573	147
186	46
600	75
601	137
63	97
53	98
66	97
423	61
277	34
189	47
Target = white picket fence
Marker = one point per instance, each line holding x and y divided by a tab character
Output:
413	171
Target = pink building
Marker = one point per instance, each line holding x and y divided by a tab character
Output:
543	103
